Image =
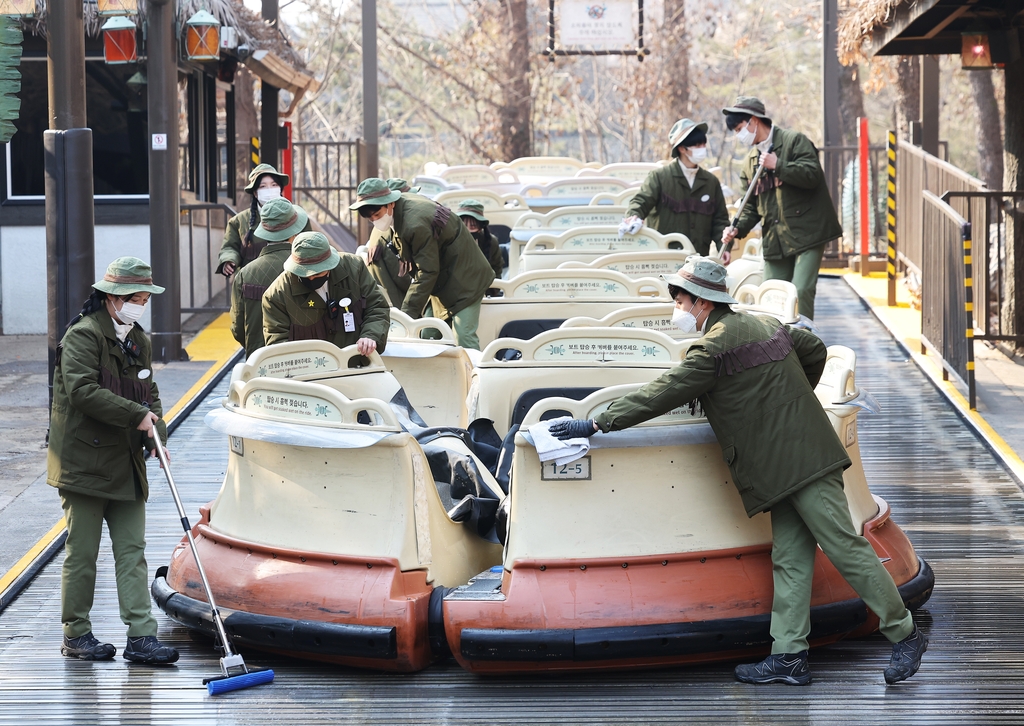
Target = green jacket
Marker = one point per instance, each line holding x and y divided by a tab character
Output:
792	201
384	268
448	267
233	248
667	203
492	251
754	379
293	312
98	400
247	290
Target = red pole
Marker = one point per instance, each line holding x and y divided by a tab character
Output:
864	198
286	162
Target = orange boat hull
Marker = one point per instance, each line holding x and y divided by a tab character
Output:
356	611
659	611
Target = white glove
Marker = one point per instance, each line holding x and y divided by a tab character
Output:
630	225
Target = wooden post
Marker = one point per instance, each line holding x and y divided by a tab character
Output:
864	196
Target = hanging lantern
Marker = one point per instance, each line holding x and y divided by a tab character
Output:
975	51
18	8
117	7
119	41
202	37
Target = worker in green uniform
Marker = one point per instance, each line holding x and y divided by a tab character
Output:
106	409
791	199
325	295
280	223
448	271
754	379
681	197
471	212
382	255
241	245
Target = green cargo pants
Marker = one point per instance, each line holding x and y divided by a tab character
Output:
819	514
464	324
126	522
802	271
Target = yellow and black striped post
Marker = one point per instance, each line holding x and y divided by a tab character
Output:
969	309
890	216
254	152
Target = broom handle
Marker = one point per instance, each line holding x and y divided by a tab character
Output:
750	191
162	455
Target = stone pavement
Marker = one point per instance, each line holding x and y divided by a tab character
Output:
29	507
999	379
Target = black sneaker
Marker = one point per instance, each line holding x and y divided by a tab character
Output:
790	668
149	650
86	647
906	657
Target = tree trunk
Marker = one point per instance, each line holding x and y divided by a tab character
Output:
990	140
247	125
516	128
678	59
908	94
851	103
1013	180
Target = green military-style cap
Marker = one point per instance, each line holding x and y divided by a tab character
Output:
680	130
702	277
376	192
472	208
280	220
311	255
747	104
401	185
260	170
127	276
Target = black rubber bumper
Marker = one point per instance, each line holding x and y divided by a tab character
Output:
672	639
284	634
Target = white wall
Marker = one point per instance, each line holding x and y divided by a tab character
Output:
23	270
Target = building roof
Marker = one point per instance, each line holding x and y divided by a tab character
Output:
922	27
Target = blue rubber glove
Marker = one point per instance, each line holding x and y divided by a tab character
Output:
574	428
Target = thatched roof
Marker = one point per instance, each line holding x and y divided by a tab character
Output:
859	20
251	29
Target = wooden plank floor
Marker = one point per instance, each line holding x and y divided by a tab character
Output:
960	508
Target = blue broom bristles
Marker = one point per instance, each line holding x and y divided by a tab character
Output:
235	683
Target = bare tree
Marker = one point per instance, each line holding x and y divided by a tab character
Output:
989	137
678	60
851	103
517	108
908	94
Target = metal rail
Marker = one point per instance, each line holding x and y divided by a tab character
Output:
952	497
203	227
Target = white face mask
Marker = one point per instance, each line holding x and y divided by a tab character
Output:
130	312
685	321
384	223
265	194
698	154
746	136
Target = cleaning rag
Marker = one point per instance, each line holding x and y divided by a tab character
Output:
550	448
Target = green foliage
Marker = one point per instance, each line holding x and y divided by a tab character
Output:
10	76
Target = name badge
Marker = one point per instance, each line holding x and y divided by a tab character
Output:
350	322
144	374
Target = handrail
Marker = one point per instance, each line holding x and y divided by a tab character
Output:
206	262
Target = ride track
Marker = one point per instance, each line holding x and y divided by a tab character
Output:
956	502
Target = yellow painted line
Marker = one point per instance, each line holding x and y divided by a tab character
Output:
23	564
214	343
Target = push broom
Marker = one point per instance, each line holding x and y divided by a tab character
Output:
236	674
746	198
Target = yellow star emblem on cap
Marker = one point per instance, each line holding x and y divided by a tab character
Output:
311	303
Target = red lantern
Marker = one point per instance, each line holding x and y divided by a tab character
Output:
202	37
975	51
119	41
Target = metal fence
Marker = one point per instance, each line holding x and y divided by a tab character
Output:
326	177
201	230
947	318
917	172
842	174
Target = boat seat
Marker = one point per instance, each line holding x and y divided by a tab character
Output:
635	264
435	373
548	295
460	484
304	474
555	222
586	244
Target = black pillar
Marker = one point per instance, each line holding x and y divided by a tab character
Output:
70	256
163	180
371	157
930	104
269	142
